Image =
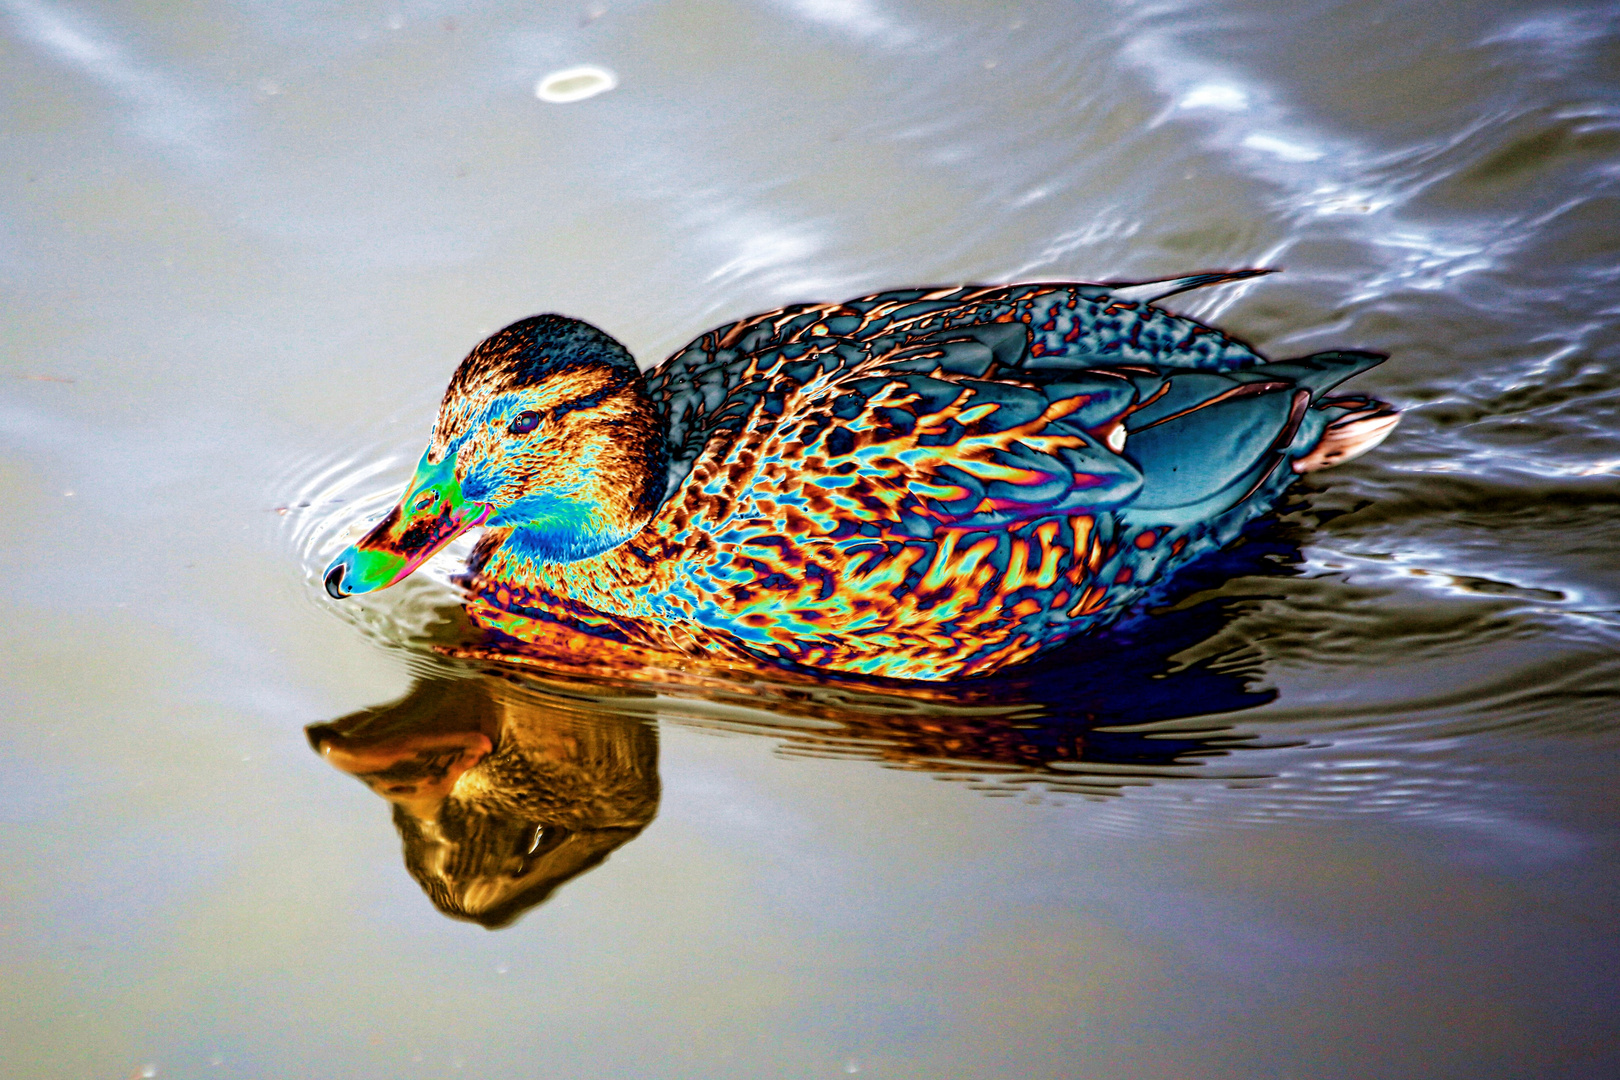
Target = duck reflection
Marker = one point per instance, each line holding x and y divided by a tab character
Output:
511	775
499	796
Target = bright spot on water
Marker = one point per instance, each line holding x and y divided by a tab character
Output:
852	1066
1215	96
1281	148
1331	199
575	84
853	16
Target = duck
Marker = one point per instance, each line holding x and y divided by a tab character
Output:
919	484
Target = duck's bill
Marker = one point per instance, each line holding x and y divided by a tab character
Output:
432	513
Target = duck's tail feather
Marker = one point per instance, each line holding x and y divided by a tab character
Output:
1148	292
1365	423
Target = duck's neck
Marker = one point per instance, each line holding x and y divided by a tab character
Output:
604	582
615	483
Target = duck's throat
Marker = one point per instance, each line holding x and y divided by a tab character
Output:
525	569
563	538
559	555
568	523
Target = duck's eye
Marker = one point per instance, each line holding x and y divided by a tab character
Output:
424	500
524	423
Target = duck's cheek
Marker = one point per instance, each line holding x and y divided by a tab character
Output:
483	484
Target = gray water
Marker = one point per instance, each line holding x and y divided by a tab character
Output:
1348	810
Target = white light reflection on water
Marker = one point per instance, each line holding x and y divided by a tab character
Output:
1282	149
164	111
1319	173
1215	95
860	19
575	84
1559	36
760	249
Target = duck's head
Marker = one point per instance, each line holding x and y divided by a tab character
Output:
546	433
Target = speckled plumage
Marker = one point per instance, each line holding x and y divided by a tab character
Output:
920	484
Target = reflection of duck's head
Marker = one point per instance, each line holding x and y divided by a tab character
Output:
499	801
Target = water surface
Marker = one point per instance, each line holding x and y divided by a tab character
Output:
1343	809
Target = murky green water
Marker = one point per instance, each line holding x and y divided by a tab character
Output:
1347	811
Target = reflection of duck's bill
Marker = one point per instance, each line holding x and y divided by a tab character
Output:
432	513
360	757
413	771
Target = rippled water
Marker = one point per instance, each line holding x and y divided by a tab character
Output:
1342	808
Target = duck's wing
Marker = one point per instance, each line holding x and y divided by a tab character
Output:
1207	441
879	455
962	451
1034	331
939	435
1167	444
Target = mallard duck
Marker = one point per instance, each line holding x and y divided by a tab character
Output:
918	484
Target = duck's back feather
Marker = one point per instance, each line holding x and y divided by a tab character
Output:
1035	331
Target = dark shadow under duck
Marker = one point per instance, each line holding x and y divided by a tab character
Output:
921	484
